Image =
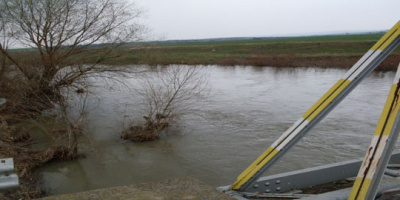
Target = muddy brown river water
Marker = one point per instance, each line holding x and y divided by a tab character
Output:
247	109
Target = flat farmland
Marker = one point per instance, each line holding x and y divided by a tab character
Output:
334	51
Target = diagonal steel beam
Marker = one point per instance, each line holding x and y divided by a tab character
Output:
381	146
321	108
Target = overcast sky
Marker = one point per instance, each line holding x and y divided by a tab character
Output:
198	19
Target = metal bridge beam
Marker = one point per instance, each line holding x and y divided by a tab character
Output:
381	146
320	109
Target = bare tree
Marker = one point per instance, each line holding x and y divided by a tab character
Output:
65	41
7	38
167	92
60	32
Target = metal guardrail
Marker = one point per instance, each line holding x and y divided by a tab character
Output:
8	177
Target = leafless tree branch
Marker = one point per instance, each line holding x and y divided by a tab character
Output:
59	30
167	93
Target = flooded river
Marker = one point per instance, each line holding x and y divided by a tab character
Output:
247	109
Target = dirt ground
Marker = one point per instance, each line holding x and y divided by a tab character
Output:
180	188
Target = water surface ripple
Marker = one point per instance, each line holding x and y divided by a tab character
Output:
247	110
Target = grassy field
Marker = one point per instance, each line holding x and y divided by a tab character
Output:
339	51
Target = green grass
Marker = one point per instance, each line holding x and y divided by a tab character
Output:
326	38
335	44
323	51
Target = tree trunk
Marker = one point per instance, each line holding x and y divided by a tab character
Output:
73	145
3	66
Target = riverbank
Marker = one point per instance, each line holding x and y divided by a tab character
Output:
328	52
180	188
340	51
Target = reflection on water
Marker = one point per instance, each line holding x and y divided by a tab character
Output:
248	108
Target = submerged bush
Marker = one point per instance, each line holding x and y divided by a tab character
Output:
167	93
147	132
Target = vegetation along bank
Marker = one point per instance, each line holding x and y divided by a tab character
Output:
334	51
35	80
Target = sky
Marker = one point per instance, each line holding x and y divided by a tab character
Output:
201	19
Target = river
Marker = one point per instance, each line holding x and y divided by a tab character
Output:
246	111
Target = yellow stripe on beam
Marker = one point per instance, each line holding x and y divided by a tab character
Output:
359	194
377	148
326	99
392	105
387	38
317	108
354	192
254	167
258	160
